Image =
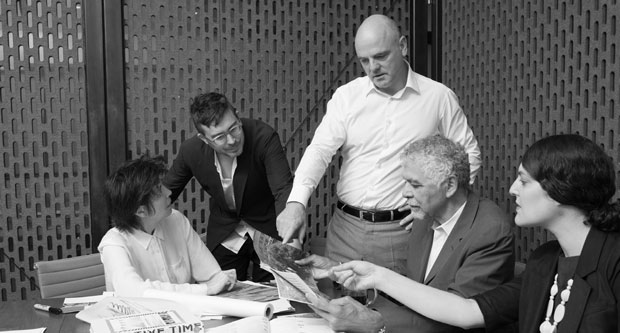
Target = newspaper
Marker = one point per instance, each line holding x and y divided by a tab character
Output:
293	281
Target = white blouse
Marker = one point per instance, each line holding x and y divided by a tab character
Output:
173	258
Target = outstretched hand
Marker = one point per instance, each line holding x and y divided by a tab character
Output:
320	265
356	275
291	222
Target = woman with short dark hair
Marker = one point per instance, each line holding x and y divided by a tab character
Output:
153	246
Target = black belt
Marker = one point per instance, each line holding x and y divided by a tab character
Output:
372	216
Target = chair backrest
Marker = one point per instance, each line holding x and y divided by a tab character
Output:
71	277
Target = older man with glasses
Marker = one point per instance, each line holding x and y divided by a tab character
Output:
240	163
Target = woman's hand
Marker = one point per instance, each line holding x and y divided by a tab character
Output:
224	280
356	275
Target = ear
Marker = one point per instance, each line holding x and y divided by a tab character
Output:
142	212
402	43
451	186
203	138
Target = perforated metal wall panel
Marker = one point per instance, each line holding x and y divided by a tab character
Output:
44	208
527	69
278	61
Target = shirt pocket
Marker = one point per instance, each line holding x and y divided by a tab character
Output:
179	271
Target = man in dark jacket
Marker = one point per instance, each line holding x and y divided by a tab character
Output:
240	163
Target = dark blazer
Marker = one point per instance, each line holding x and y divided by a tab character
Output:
593	303
477	256
262	181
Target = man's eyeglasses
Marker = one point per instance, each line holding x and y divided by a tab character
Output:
221	139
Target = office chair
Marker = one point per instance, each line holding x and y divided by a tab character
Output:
71	277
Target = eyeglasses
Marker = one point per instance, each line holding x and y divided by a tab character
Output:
221	139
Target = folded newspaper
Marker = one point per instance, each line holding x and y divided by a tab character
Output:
294	281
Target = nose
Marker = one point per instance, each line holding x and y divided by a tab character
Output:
513	188
165	191
407	192
373	65
230	139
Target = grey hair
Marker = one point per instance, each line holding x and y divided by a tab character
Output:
441	157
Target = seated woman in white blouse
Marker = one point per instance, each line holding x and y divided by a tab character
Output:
153	246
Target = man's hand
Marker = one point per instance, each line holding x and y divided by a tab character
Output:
347	314
407	222
356	275
291	222
224	280
320	265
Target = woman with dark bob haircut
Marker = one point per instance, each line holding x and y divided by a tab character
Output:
572	284
153	246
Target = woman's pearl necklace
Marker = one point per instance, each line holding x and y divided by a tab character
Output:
547	326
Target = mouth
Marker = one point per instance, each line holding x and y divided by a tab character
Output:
378	76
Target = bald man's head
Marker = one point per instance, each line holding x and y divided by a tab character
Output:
381	50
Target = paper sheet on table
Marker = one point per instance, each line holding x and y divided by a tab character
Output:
299	323
200	304
87	300
254	324
281	305
33	330
118	306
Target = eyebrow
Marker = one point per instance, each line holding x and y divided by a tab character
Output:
226	131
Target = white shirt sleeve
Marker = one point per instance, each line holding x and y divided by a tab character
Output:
454	126
328	138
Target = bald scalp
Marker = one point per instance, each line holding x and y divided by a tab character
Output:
377	26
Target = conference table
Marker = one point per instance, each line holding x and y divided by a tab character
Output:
21	315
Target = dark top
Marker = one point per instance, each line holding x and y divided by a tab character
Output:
592	306
262	181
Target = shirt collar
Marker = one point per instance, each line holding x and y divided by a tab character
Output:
218	166
145	239
449	225
412	84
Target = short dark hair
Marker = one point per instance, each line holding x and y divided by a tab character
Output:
208	109
442	159
135	183
577	172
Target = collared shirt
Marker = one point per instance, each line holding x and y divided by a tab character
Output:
172	258
440	235
372	129
237	238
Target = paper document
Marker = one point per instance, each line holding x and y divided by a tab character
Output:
298	323
294	281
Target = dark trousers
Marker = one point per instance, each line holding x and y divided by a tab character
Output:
241	262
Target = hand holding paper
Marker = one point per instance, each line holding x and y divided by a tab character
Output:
320	265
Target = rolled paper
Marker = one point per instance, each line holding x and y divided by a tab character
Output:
201	304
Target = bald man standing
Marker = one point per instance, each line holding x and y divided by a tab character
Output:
371	119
